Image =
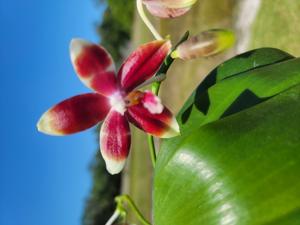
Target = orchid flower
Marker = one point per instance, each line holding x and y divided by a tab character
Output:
115	100
168	8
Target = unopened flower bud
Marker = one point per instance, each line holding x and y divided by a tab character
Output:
168	8
205	44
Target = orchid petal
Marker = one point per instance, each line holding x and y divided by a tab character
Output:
154	118
164	12
174	4
94	66
74	114
143	63
168	8
115	141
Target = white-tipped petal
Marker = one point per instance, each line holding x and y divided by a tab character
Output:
114	166
94	66
74	114
115	141
173	131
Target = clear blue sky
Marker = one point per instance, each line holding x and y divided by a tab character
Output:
44	179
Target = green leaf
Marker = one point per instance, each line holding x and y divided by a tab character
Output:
237	161
243	66
239	83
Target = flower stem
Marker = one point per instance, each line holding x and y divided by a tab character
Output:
113	218
121	199
155	89
140	8
152	149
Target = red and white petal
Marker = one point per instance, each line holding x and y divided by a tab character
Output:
143	63
163	124
74	114
115	141
94	66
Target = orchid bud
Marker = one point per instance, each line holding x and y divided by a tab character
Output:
205	44
168	8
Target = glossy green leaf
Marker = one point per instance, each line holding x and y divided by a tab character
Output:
238	159
249	66
239	83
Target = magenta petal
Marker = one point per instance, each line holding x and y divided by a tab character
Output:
143	63
94	66
157	121
115	141
74	114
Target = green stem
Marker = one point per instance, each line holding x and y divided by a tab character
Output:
155	89
147	22
126	199
152	149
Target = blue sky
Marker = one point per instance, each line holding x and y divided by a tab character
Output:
44	179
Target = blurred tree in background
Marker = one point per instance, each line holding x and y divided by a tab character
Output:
115	32
115	29
100	203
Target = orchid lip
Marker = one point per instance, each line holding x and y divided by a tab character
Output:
120	102
133	98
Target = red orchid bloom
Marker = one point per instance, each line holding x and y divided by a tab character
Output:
115	100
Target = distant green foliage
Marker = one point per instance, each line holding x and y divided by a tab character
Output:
114	31
116	26
122	12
